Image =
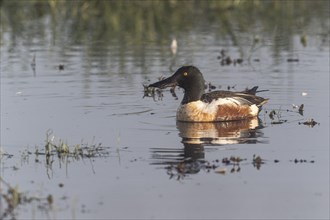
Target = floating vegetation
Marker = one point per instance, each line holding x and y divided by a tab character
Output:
226	60
231	87
257	161
172	90
311	123
301	109
234	161
291	60
230	164
271	114
180	170
303	40
57	148
155	93
210	86
4	154
61	66
12	198
277	118
78	151
221	170
302	161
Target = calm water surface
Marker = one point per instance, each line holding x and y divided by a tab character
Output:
156	167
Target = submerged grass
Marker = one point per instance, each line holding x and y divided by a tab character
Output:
57	149
78	151
12	198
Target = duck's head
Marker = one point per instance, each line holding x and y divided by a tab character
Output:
187	77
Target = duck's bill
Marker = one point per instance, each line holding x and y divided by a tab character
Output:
165	83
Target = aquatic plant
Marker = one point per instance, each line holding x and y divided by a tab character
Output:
310	123
153	92
277	116
11	198
78	151
232	164
4	154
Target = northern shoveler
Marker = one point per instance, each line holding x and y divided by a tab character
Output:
198	106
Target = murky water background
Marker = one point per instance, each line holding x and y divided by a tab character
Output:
91	61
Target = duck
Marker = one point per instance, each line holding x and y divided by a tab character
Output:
215	106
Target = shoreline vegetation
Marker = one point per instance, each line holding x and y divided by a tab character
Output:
155	21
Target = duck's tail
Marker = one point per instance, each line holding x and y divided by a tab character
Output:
261	104
254	90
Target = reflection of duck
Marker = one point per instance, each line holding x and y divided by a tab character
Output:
220	133
191	159
198	106
179	162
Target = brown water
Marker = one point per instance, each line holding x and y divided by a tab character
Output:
156	167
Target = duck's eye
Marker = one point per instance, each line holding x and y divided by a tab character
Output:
185	74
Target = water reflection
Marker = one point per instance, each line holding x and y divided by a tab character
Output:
103	30
232	132
196	136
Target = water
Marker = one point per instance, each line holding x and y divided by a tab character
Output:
156	167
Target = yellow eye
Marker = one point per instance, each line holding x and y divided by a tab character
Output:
185	74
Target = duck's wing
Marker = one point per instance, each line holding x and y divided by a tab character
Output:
244	98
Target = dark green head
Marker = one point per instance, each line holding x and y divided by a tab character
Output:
187	77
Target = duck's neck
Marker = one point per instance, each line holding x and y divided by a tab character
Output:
193	93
